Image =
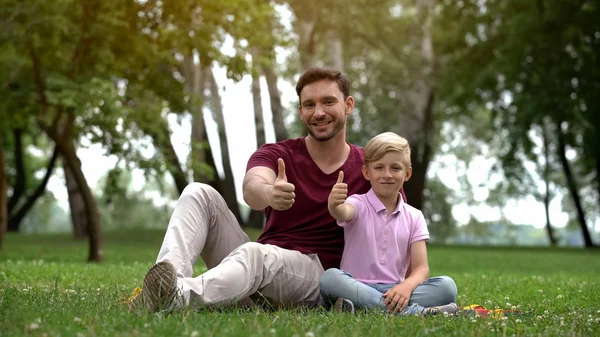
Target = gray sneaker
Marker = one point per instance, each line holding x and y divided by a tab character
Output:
343	305
448	309
160	287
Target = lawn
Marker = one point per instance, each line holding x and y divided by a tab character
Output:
47	289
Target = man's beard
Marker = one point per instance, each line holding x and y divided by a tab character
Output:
338	125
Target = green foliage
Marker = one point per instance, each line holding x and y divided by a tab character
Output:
525	62
124	207
553	286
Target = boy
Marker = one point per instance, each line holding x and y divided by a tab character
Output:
384	262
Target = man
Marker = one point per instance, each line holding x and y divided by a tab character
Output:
289	180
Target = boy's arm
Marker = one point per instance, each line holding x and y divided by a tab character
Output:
419	265
397	298
338	208
343	212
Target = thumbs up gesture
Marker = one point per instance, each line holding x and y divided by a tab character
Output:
282	197
339	192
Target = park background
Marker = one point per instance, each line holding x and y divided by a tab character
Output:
110	108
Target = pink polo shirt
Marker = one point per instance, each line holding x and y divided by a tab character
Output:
377	246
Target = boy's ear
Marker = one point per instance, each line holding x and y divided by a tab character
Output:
408	173
365	172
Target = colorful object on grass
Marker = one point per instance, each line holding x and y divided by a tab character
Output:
481	311
136	292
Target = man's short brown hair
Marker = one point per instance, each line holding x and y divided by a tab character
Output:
313	75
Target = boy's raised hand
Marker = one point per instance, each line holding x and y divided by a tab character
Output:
339	192
282	197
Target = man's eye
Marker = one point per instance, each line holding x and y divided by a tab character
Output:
308	105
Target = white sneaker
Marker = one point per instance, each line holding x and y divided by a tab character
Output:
343	305
448	309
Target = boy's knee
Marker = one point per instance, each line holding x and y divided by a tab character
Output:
448	288
330	276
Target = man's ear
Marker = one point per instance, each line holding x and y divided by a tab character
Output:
349	105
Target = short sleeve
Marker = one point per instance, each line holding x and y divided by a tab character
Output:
265	156
358	206
419	229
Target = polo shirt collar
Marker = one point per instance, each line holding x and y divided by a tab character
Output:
378	205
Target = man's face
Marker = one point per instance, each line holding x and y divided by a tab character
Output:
323	109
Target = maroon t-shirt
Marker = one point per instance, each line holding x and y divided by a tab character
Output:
307	226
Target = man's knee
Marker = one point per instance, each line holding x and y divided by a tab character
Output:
199	188
251	250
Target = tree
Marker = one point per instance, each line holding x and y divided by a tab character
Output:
522	78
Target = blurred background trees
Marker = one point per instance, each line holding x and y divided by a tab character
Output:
507	89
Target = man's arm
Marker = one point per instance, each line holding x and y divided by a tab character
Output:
262	188
258	187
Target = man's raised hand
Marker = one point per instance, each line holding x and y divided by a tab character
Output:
339	192
282	197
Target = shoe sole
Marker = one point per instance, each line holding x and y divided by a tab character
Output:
159	286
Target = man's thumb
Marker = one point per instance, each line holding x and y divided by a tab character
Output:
281	169
340	177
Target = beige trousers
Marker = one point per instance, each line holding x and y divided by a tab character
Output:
203	226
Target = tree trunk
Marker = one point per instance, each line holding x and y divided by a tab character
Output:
3	196
227	184
417	124
335	50
307	13
14	221
79	218
572	185
20	182
61	132
256	218
276	106
549	230
93	215
598	178
202	162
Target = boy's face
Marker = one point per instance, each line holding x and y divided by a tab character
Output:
388	174
323	109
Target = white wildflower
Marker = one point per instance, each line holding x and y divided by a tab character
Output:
309	334
195	334
77	320
34	326
559	297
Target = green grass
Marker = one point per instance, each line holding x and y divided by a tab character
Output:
47	289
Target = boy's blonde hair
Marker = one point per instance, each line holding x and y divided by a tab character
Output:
386	142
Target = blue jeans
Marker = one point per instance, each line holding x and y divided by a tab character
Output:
337	283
